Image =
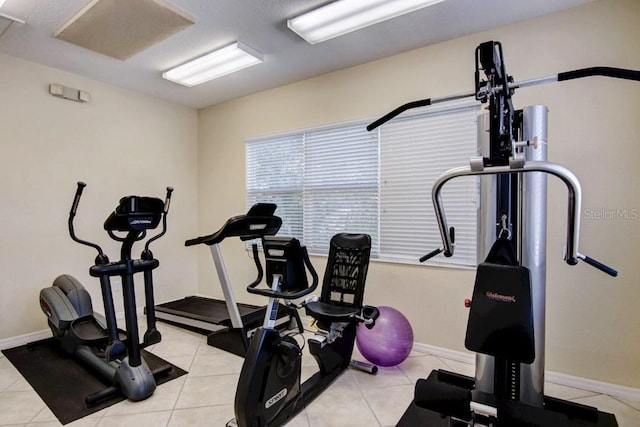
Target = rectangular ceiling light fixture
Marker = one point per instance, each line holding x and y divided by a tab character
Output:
7	21
221	62
344	16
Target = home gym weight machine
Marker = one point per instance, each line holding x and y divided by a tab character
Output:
228	324
506	320
114	355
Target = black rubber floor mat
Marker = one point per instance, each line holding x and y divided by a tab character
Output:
62	383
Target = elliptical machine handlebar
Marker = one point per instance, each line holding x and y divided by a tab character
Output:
74	207
167	202
573	209
72	214
76	199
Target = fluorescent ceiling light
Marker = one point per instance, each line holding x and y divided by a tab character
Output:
221	62
2	2
344	16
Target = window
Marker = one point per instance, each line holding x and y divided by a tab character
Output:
415	151
275	168
343	178
340	185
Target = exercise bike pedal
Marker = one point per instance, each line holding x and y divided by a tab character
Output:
288	357
318	340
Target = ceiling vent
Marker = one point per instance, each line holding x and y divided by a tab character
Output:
123	28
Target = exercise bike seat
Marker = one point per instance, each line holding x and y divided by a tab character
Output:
328	312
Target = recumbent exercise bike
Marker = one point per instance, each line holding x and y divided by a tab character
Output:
269	390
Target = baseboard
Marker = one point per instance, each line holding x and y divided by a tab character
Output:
24	339
613	390
458	356
46	333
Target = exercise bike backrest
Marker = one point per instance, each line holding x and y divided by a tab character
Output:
285	259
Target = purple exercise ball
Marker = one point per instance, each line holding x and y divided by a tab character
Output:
389	342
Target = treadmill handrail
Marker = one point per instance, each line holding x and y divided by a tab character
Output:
247	227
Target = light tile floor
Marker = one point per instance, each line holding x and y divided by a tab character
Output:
205	396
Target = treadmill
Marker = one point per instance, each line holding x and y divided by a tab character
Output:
228	324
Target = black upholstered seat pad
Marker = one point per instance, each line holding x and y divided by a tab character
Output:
336	313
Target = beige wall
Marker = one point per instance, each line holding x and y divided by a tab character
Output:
120	143
592	324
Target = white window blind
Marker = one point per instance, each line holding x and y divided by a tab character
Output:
344	179
415	151
275	169
340	185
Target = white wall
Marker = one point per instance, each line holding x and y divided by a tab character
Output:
592	325
120	143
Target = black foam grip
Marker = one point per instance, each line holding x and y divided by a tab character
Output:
619	73
167	199
600	266
76	198
444	398
400	109
192	242
430	255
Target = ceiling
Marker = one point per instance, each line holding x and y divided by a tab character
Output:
260	24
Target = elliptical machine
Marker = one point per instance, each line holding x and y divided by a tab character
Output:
507	316
93	339
269	391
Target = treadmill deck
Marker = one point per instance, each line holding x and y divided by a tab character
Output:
206	313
